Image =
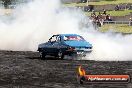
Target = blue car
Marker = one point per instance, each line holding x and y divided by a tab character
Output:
65	44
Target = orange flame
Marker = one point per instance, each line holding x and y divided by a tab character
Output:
81	71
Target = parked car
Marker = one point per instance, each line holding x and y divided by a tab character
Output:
65	44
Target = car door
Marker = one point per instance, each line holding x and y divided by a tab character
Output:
52	44
57	44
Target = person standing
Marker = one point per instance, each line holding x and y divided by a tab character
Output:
130	22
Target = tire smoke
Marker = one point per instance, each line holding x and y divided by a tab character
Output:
35	22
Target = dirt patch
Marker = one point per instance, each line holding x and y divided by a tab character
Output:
24	69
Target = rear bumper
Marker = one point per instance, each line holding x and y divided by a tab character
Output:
79	52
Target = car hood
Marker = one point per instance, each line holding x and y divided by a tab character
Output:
80	44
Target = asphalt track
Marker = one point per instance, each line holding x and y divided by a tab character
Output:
24	69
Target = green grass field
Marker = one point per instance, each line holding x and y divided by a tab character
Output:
123	28
102	2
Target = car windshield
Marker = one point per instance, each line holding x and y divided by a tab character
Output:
73	38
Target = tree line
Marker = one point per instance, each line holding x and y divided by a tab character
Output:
6	3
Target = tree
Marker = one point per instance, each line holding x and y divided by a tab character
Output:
6	3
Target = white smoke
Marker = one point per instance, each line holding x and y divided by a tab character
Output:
35	22
110	46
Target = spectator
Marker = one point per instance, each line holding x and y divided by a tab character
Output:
117	7
91	7
126	7
108	18
130	22
100	16
93	12
130	8
104	11
83	1
104	17
98	22
101	21
121	7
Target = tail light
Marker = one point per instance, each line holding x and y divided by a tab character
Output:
71	49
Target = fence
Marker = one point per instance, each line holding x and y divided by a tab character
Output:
118	22
99	24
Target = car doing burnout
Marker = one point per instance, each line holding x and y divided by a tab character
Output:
65	44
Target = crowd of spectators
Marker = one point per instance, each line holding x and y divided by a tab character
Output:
100	17
123	7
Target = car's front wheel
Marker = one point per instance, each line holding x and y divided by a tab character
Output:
60	55
42	55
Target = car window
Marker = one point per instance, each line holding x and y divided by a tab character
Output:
53	38
73	38
58	39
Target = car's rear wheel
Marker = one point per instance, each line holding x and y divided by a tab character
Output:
60	55
42	55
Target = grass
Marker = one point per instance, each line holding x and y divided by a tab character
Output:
102	2
119	13
122	28
113	13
